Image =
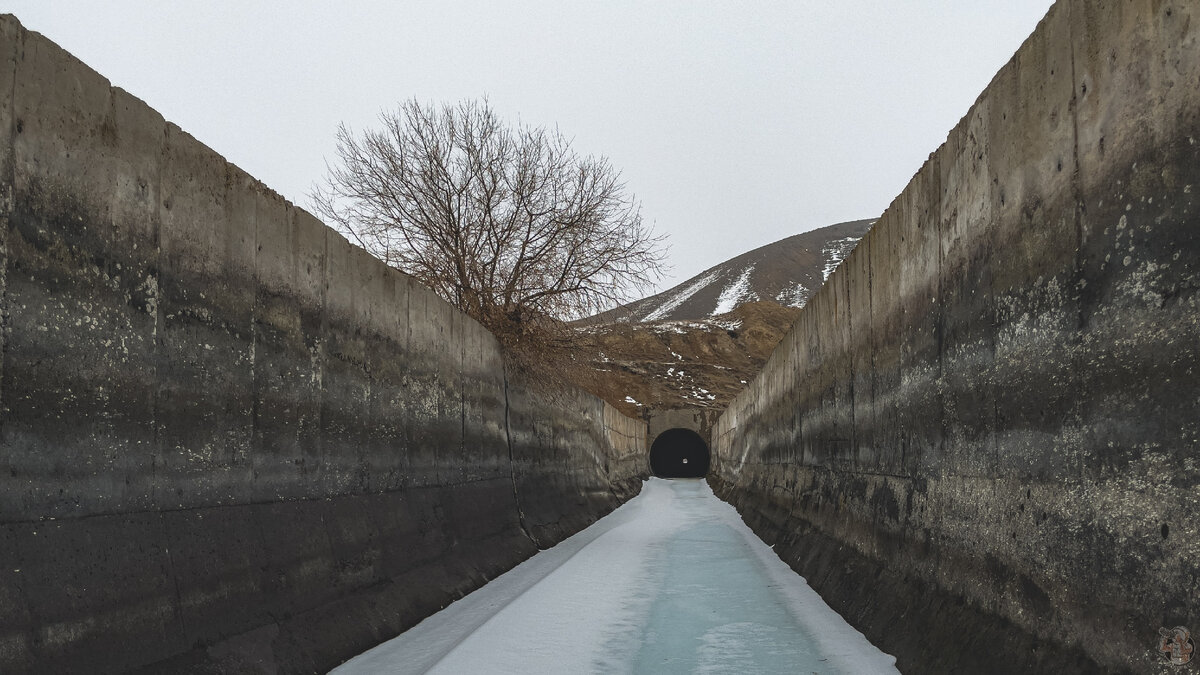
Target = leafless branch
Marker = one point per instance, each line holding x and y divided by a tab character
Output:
507	223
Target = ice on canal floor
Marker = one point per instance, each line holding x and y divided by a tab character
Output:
671	582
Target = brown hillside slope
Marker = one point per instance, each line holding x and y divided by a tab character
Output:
665	365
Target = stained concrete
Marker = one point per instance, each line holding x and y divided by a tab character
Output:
978	442
699	420
231	441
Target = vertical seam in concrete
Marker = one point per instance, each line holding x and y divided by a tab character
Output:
320	343
9	178
512	464
993	329
156	337
868	259
850	352
1075	189
364	457
462	401
940	316
26	605
255	276
1077	210
156	344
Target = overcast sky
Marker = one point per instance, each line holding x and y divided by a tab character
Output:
735	123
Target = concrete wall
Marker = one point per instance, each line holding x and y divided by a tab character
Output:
699	420
979	441
230	440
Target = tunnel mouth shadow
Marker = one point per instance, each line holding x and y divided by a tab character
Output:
679	453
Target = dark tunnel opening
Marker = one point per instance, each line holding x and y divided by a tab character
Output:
679	453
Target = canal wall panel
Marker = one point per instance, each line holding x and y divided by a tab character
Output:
978	441
231	441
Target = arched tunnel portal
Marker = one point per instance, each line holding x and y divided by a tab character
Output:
679	453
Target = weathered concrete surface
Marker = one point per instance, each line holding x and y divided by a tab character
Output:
699	420
572	465
231	441
978	442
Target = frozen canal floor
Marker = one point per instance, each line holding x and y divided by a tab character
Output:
671	582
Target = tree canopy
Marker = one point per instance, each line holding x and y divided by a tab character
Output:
505	222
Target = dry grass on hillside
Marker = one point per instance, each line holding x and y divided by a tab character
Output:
674	364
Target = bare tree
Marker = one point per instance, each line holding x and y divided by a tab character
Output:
506	223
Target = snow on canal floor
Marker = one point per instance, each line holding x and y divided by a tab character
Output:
671	582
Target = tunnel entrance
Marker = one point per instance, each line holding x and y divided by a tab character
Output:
679	453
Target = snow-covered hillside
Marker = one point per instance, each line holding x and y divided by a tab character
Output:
788	271
834	253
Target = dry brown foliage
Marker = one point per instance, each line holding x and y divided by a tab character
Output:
506	223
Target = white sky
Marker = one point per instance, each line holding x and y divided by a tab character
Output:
735	123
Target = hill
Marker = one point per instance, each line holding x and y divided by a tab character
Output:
788	272
663	365
697	344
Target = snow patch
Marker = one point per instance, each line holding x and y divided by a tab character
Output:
682	327
736	293
681	297
671	327
835	252
794	297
